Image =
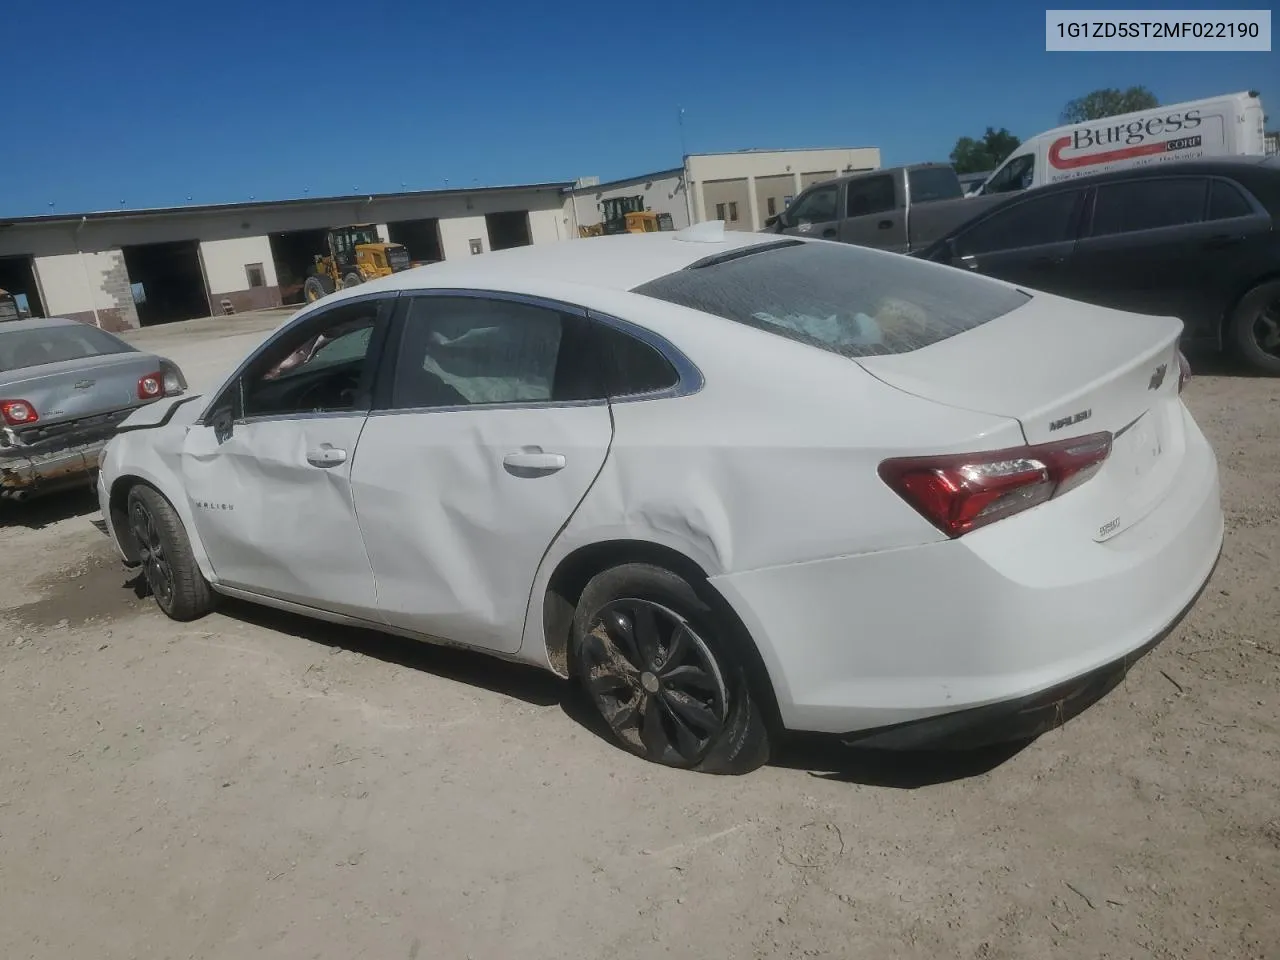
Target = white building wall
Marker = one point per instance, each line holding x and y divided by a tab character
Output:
456	234
546	226
225	262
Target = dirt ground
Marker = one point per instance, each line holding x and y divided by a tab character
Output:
255	784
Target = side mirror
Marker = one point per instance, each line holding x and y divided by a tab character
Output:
223	424
772	222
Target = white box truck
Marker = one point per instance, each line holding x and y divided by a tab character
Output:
1230	125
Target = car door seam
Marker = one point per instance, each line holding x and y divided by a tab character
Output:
567	520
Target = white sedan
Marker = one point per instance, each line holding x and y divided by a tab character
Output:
734	484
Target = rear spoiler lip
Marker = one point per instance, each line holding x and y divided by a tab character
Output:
163	421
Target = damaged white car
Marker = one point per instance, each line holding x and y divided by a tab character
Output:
733	484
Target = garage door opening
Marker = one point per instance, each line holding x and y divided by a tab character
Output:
294	253
508	229
18	277
167	282
420	237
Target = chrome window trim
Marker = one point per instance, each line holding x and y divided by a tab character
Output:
689	379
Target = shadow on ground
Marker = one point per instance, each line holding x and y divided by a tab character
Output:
463	666
40	512
821	757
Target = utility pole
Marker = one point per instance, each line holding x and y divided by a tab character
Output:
684	169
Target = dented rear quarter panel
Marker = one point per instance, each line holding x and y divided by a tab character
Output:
772	462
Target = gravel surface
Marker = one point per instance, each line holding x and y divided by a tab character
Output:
255	784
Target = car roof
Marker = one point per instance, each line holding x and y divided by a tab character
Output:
1224	166
616	263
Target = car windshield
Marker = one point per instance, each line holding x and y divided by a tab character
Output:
37	346
840	298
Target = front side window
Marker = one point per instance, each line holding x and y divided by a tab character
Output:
1030	223
44	345
872	195
1148	205
817	206
1015	175
322	367
837	297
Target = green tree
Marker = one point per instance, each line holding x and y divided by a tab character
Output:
987	153
1108	103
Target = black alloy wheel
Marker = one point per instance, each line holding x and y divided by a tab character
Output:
156	568
655	681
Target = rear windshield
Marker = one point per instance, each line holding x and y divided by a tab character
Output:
41	345
841	298
934	183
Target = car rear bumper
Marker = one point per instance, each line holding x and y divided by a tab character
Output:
1022	719
1000	618
28	472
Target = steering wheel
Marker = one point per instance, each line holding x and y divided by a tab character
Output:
339	391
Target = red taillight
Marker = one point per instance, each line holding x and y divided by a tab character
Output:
1184	372
18	413
151	386
961	492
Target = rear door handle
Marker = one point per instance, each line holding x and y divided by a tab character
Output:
829	232
1222	240
532	462
326	455
885	224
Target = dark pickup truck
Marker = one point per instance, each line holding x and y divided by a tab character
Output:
900	208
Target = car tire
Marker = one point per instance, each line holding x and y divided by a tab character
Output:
168	565
662	671
1254	329
316	287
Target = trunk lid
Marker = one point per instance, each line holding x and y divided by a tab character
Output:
84	387
1065	369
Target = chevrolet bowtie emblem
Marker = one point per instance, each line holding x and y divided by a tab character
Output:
1157	378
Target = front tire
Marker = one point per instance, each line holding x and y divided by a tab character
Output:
315	287
1254	329
168	565
663	674
352	279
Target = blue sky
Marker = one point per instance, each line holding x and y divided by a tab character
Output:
152	103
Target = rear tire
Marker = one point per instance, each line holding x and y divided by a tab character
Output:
168	565
1254	329
352	279
315	287
662	671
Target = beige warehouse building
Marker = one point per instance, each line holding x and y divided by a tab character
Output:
130	268
743	189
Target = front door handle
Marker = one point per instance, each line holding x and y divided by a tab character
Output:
885	224
326	455
532	462
828	233
1047	261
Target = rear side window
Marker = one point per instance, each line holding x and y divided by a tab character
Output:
1148	205
934	183
44	345
844	299
631	367
1226	202
872	195
1029	223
